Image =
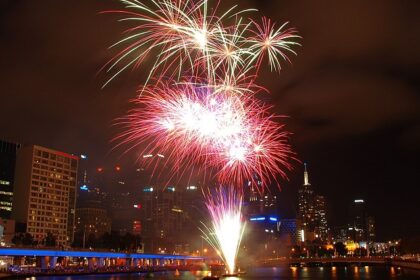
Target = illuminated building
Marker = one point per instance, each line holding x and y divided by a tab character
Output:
312	211
341	233
124	209
83	180
194	210
45	192
306	211
7	174
357	224
264	203
162	218
263	236
92	220
320	209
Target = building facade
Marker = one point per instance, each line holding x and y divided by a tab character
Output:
312	211
357	224
92	220
45	193
320	208
8	152
162	218
306	213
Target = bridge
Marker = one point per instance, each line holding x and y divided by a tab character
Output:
47	258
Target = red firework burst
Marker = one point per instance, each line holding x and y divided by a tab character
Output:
234	137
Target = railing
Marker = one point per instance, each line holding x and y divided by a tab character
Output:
92	254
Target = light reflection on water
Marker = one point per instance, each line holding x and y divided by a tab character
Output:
315	273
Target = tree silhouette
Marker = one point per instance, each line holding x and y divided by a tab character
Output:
50	240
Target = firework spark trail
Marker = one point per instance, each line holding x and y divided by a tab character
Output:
227	228
234	137
186	39
211	60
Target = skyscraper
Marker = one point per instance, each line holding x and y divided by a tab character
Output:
7	177
162	218
306	213
45	192
312	211
320	208
262	204
357	222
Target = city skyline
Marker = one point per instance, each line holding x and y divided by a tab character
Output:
132	210
366	153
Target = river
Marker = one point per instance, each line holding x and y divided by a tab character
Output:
280	273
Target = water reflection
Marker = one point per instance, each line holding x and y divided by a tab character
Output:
333	272
294	271
307	273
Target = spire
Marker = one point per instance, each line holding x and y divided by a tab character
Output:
306	176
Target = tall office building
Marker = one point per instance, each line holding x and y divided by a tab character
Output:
312	211
45	192
357	224
162	218
306	213
7	174
124	209
320	212
260	202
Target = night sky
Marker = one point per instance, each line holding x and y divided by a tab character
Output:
352	95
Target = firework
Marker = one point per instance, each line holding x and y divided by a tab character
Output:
232	136
185	37
198	105
226	230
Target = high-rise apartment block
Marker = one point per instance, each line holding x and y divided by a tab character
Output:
45	193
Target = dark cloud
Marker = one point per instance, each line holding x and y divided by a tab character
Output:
352	93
